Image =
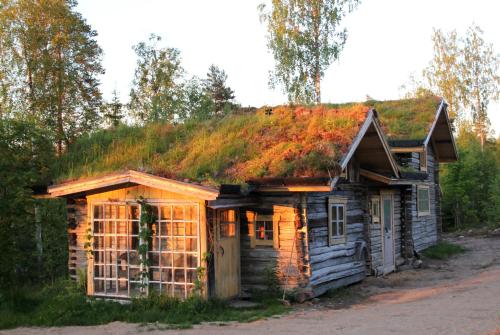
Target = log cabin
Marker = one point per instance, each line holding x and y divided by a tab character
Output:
303	198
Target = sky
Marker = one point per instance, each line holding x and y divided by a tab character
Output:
388	40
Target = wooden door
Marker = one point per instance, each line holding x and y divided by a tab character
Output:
387	232
227	254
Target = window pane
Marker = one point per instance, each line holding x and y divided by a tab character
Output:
107	211
334	212
191	213
179	276
166	259
134	258
134	228
191	229
191	261
335	232
98	227
121	212
98	286
341	228
190	276
179	260
191	244
154	259
165	213
154	274
178	228
133	212
165	228
166	275
98	212
135	274
341	212
179	291
178	212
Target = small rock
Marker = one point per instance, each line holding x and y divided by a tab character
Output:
417	264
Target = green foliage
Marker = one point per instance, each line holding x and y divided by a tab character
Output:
32	232
49	67
304	37
216	88
63	304
113	111
471	186
443	250
157	90
290	142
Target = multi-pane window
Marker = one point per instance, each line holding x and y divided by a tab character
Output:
264	230
172	257
116	240
423	200
337	219
227	223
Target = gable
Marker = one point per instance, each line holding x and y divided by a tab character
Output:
84	187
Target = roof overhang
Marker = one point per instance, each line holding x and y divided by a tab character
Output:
440	136
388	180
127	178
371	124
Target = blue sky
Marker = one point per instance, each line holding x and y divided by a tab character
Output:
388	41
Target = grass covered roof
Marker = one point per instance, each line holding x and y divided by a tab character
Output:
290	142
406	119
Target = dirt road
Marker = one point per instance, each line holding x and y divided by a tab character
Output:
458	296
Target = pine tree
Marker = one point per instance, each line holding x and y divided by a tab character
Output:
216	88
114	110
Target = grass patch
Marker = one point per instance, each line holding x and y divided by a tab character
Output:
62	304
443	250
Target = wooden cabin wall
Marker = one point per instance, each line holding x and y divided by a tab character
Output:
423	230
289	259
77	236
336	265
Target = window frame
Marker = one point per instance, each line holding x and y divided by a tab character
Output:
264	218
337	202
221	222
375	218
166	286
422	157
421	212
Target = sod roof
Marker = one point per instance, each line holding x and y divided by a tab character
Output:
406	119
279	142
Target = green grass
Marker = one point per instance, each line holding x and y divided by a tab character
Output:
443	250
62	304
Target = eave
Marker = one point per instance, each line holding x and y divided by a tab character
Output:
131	177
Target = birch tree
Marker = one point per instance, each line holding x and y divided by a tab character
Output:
304	37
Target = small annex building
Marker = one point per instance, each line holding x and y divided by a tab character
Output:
314	198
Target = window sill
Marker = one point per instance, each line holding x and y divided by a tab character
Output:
423	214
338	240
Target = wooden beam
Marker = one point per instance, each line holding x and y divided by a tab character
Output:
407	149
319	188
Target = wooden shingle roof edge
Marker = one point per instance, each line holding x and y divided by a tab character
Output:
371	119
135	178
442	110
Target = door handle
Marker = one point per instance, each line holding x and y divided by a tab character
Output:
221	250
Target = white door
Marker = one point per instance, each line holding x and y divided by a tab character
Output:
387	233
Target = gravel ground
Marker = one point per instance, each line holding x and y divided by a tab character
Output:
457	296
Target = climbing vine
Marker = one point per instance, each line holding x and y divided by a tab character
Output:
148	217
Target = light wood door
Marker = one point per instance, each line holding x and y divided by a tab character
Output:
388	232
227	254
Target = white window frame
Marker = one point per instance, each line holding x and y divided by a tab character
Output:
335	202
420	211
375	203
172	221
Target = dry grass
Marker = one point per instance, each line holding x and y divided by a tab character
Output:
292	142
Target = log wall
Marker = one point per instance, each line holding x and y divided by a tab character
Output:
337	265
77	236
261	265
422	231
